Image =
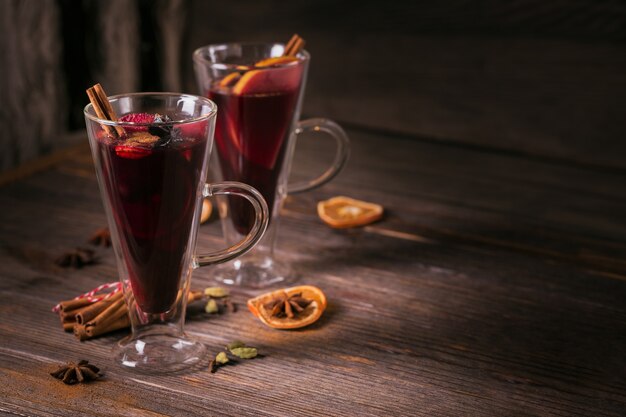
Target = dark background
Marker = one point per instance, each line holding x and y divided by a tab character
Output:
526	76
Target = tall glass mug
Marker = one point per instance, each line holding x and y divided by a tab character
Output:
257	124
152	180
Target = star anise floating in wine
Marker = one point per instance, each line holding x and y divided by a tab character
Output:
76	258
287	305
72	373
102	237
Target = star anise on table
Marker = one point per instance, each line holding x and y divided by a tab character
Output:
76	258
232	307
72	373
101	237
287	305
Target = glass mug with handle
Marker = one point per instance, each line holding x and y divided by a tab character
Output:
259	94
152	174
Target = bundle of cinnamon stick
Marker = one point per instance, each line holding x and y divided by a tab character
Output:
88	318
103	109
294	45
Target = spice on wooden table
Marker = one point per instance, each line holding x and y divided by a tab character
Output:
91	315
285	305
211	307
221	358
238	349
218	293
76	258
72	373
213	366
230	306
101	237
344	212
289	308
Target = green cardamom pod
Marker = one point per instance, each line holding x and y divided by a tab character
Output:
235	344
211	307
221	358
216	292
244	352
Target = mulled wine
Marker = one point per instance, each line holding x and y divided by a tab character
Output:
258	88
151	182
251	137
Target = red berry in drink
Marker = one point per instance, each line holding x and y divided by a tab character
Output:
137	118
131	151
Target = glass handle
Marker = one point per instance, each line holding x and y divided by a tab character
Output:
343	151
261	219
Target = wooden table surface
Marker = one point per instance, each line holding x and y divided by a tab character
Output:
494	286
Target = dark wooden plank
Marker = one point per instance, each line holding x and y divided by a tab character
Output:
525	75
441	192
419	323
546	78
441	339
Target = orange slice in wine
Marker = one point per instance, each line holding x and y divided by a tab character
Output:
306	305
343	212
277	60
229	79
269	79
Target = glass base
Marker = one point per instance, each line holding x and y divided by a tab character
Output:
251	271
159	352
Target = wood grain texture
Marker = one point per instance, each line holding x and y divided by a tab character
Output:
541	78
113	45
546	78
493	286
30	79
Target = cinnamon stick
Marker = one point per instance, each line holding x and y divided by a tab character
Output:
74	304
92	311
290	44
70	316
103	109
99	327
297	47
80	333
99	111
105	316
104	100
120	323
97	88
106	313
295	44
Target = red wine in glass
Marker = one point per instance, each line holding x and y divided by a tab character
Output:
251	137
152	192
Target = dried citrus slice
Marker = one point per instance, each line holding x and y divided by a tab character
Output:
277	60
229	79
342	212
289	308
207	208
269	80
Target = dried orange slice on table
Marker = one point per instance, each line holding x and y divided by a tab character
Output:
342	212
289	308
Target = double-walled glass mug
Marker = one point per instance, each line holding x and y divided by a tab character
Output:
152	180
256	130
